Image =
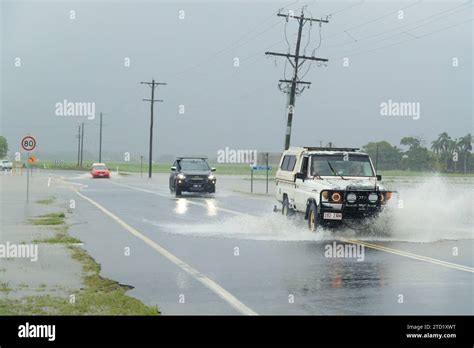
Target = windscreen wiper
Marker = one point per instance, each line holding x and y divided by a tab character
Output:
334	172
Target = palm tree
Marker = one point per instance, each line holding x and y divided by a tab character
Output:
436	147
465	145
444	143
453	148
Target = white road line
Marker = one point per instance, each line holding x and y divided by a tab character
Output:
411	255
234	212
209	283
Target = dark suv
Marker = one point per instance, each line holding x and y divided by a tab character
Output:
192	174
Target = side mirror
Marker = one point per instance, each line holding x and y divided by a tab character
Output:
173	169
300	176
213	169
379	177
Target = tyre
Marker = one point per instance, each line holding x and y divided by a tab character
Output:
177	191
285	207
313	217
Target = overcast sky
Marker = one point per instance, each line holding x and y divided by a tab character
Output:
82	59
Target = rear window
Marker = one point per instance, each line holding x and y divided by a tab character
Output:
99	167
288	163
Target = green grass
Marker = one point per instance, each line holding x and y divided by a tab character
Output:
48	219
222	169
61	237
5	287
98	296
46	201
133	167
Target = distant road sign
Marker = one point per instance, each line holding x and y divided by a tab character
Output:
31	159
261	168
28	143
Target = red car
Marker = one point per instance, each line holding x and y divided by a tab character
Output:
100	170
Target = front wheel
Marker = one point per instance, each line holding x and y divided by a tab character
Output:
285	207
313	217
177	191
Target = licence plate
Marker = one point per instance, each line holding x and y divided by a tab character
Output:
332	216
196	186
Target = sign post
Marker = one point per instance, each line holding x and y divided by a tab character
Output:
28	143
257	167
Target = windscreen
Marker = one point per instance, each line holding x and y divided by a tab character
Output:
194	165
345	165
100	167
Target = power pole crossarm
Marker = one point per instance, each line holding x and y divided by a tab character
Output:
294	56
303	18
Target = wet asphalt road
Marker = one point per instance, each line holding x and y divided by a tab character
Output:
269	264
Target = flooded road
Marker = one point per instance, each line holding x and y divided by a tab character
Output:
230	254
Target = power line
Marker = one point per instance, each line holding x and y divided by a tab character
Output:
373	20
403	41
437	14
346	8
234	43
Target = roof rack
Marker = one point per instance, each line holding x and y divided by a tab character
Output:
191	157
310	148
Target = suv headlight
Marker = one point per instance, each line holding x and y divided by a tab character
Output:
181	176
351	197
373	197
211	177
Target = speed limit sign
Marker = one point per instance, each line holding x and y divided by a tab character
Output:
28	143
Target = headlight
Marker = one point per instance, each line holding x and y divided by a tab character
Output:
181	176
351	197
373	197
211	177
336	197
324	195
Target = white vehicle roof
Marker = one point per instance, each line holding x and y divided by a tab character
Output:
323	150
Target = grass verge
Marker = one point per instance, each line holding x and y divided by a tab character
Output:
46	201
98	296
48	219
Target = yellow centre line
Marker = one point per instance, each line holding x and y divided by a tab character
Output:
410	255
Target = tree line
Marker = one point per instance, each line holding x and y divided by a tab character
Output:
445	154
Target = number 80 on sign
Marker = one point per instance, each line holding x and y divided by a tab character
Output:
28	143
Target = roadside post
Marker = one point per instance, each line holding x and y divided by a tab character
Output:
266	163
257	167
141	166
251	178
28	143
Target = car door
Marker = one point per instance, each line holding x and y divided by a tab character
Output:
301	185
173	175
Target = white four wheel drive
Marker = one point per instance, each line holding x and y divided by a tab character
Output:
6	165
329	185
